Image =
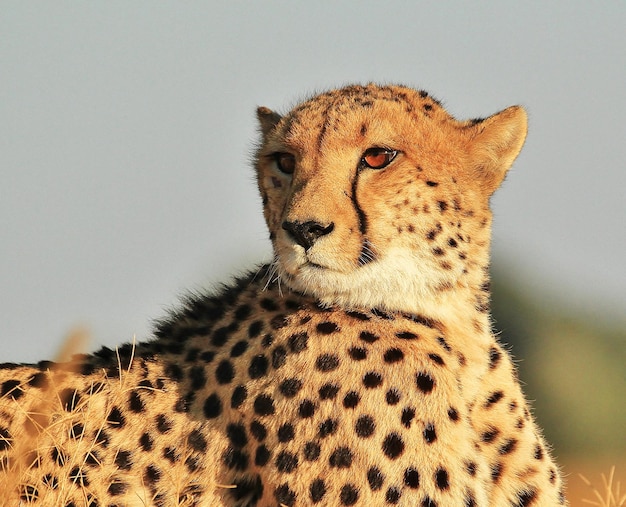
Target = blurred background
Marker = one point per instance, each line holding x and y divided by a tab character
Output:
126	130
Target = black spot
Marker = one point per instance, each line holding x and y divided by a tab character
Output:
489	435
243	312
411	478
494	398
279	356
438	252
425	382
286	433
151	475
328	391
240	393
368	337
235	459
255	329
183	404
538	451
452	242
258	366
441	479
442	341
117	488
407	416
212	406
507	447
436	358
135	403
58	456
290	387
284	495
351	399
348	495
267	341
258	431
407	335
239	348
262	456
393	355
443	206
197	441
496	471
51	481
76	431
393	495
306	409
317	490
392	397
428	502
375	478
264	405
236	433
39	380
430	435
298	342
123	460
28	493
327	362
471	468
164	425
357	353
372	380
207	356
327	427
220	336
115	418
393	446
78	477
526	498
453	414
365	426
146	442
69	399
268	304
311	451
224	373
327	328
358	315
432	183
286	462
469	500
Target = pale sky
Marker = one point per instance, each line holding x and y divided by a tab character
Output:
126	130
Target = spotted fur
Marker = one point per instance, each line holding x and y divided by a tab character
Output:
359	368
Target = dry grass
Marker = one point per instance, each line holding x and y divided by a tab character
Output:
609	495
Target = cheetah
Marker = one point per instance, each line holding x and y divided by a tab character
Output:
358	368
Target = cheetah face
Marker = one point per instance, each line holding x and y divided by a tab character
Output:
376	197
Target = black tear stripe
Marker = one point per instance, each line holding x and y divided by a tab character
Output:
359	212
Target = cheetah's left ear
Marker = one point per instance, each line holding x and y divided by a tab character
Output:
267	119
495	143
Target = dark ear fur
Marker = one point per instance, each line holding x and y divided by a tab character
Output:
495	143
267	119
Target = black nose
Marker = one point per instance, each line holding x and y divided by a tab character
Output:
307	233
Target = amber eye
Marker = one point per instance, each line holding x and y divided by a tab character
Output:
285	162
377	158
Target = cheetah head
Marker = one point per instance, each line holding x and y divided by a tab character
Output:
375	197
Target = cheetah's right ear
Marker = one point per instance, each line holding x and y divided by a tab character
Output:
268	119
494	145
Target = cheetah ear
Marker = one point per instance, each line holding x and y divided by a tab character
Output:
495	143
267	119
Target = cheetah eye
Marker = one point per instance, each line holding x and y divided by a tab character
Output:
285	162
377	158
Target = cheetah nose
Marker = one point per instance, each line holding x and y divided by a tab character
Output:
307	233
